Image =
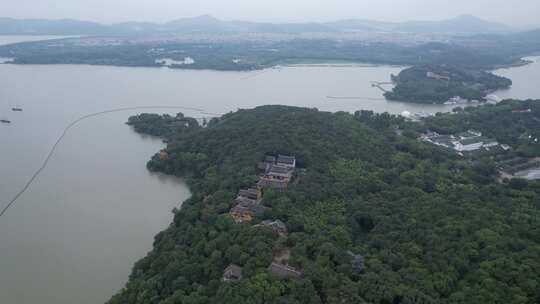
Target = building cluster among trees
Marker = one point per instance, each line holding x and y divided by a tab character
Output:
276	173
463	142
378	216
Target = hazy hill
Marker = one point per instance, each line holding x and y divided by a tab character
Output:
201	24
357	25
460	25
465	24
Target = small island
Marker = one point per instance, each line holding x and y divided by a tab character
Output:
162	125
444	83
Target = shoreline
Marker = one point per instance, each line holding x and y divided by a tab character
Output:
299	62
517	64
13	61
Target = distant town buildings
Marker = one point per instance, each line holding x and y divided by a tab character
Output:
463	142
418	116
172	62
436	76
458	100
522	111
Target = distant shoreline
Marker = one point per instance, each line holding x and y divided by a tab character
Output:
329	64
517	64
286	63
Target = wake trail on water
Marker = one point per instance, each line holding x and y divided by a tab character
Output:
65	131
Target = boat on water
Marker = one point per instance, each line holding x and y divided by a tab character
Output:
5	121
16	109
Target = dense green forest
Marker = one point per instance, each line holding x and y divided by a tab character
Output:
251	55
428	229
439	83
226	52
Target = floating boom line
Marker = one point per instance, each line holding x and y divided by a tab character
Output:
64	133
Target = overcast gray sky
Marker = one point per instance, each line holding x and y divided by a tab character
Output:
522	13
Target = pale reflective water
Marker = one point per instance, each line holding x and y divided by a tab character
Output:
73	237
19	38
525	80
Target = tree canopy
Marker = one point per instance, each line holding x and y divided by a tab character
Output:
373	217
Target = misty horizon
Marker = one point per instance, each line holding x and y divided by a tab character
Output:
280	11
210	16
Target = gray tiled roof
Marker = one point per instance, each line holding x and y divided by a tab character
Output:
270	159
279	169
471	141
249	193
284	159
245	207
276	184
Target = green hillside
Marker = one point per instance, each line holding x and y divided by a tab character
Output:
373	217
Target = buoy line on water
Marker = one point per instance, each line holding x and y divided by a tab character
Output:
65	131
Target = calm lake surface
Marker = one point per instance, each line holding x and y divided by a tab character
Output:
17	38
74	236
525	80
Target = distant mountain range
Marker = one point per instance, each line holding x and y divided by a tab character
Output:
466	24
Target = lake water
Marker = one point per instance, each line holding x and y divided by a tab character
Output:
18	38
73	237
525	80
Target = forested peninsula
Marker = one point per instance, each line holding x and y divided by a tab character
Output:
230	52
441	83
373	214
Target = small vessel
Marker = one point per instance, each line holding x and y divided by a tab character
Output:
16	109
5	121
